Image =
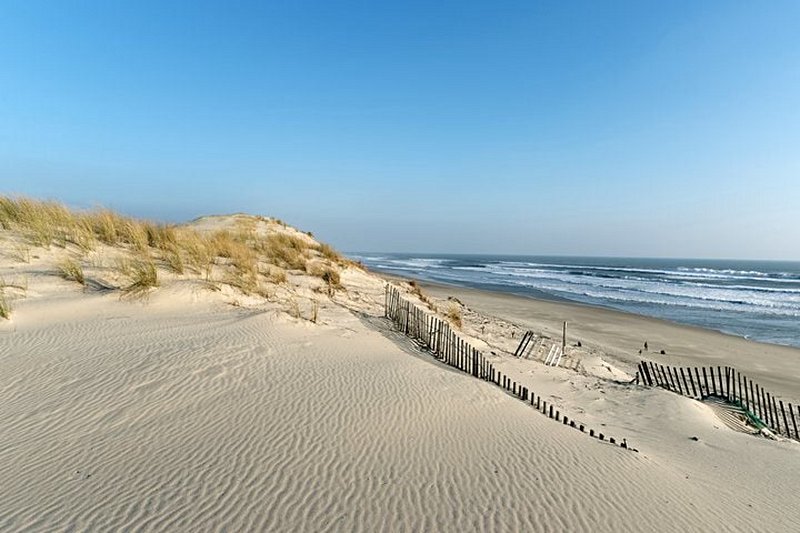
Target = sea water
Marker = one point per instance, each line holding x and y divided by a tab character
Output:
759	300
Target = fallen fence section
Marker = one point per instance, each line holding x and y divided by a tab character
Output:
436	336
531	343
761	407
524	343
554	356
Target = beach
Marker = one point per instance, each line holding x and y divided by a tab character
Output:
198	406
621	335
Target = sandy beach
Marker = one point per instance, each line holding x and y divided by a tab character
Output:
621	335
298	408
217	220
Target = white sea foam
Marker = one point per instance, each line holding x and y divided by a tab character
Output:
731	296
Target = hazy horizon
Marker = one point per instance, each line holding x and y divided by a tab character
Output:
568	256
607	130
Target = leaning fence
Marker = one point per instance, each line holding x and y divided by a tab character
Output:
438	337
730	385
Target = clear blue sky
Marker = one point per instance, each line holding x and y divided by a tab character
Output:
588	128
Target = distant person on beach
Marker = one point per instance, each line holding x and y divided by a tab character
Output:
645	346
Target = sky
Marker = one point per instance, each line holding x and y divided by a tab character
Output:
650	129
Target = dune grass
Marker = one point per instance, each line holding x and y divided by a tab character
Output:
71	270
5	305
283	250
174	259
144	277
453	314
417	291
21	252
241	256
274	274
332	279
329	253
5	301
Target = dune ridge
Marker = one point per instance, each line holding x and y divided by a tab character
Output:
202	406
243	420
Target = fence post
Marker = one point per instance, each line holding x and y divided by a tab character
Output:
785	422
746	396
675	373
739	381
685	385
713	383
694	389
667	378
727	384
776	421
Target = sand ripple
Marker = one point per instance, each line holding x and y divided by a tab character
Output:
234	421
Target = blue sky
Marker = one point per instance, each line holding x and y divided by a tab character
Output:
586	128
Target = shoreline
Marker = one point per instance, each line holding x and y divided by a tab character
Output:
621	334
752	301
541	296
300	407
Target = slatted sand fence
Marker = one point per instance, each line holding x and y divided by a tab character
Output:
438	337
723	382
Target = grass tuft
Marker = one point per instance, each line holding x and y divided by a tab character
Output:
174	260
286	251
329	253
144	277
331	277
275	274
161	237
5	306
454	315
71	270
417	291
328	274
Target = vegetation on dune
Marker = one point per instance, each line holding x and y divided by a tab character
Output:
417	291
454	315
284	250
241	256
72	270
332	279
329	253
174	259
5	306
144	277
5	300
274	274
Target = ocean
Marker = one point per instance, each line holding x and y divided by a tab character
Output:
758	300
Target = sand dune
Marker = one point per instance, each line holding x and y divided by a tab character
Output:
146	418
199	409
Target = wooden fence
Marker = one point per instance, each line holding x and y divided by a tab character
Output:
730	385
437	336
